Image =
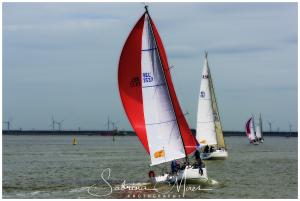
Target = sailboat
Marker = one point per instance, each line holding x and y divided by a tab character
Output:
149	99
250	131
258	130
209	129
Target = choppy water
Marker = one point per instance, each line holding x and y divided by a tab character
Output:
50	167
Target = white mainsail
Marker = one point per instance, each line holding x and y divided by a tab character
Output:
206	131
158	110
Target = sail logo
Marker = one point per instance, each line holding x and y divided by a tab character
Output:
202	94
147	77
135	82
205	76
158	154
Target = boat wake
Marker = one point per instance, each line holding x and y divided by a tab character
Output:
213	182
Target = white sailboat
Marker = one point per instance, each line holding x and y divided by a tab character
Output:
151	105
209	128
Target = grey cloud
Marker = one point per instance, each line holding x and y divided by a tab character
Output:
62	59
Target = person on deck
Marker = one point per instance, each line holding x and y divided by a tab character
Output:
206	149
199	162
174	166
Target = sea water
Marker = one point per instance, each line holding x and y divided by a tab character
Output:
98	167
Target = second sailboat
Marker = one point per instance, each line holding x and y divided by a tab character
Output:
209	128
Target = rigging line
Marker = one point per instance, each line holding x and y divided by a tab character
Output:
170	67
156	85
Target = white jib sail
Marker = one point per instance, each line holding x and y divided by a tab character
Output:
162	130
261	126
206	132
258	131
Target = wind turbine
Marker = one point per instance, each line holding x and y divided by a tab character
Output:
53	122
114	129
8	123
270	125
108	123
290	126
59	124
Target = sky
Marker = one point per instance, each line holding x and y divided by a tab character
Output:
61	60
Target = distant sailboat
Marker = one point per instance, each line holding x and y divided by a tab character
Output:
74	141
150	102
250	131
209	128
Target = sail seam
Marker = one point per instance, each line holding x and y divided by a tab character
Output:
161	122
204	121
151	49
157	85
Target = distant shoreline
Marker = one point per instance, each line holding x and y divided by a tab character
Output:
126	133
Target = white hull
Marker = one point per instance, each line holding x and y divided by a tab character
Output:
190	174
217	154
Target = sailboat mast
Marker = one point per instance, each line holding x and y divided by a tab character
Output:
159	57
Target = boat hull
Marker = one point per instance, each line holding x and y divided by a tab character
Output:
216	155
190	175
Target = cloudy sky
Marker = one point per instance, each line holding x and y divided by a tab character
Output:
61	59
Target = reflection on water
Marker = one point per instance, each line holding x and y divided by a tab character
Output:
51	167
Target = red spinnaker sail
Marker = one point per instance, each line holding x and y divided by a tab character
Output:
248	131
129	79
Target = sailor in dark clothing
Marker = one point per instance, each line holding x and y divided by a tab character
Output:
174	166
199	162
206	149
